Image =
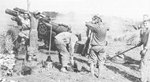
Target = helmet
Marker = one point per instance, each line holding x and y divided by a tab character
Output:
97	17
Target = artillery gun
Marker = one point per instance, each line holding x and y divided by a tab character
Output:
19	47
44	29
15	11
22	11
44	24
11	12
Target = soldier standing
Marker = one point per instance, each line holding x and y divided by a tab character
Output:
98	43
145	57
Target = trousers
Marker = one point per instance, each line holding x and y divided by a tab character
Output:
145	66
64	55
97	54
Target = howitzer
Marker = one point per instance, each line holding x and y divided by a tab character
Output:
11	12
45	19
44	31
20	10
15	11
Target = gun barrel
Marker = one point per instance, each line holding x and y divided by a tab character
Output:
19	10
11	12
45	19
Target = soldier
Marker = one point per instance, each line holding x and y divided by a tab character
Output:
97	43
145	57
65	43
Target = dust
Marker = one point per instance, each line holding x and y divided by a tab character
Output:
75	21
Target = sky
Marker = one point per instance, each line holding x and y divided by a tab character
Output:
123	8
82	9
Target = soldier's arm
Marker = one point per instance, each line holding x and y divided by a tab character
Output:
140	42
91	26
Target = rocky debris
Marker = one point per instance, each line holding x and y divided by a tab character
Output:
2	43
7	62
7	80
26	70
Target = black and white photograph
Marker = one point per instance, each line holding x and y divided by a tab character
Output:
74	41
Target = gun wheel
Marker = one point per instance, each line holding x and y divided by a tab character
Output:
42	29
